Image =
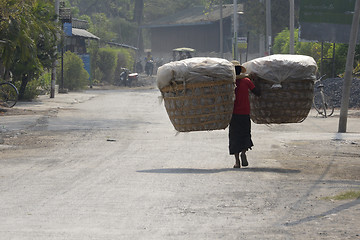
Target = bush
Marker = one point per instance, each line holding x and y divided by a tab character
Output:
32	90
109	62
75	75
36	87
44	82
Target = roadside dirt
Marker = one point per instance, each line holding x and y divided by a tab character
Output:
332	159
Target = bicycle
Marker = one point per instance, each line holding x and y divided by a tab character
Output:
8	94
322	102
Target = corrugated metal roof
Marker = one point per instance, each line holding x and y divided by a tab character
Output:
195	16
83	33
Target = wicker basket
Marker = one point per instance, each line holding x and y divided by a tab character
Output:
199	106
289	104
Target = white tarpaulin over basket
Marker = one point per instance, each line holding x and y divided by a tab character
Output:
283	67
198	69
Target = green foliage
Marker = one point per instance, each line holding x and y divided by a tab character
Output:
282	46
30	36
37	86
75	75
281	43
44	81
313	49
100	27
112	8
107	63
125	31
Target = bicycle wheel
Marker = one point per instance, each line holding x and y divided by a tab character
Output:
317	103
8	95
323	105
328	106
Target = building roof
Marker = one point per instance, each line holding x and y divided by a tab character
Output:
195	16
83	33
122	45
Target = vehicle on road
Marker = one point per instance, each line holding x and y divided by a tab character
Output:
183	53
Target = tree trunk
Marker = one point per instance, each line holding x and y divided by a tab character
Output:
138	11
24	82
138	18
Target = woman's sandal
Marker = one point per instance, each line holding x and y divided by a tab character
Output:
244	161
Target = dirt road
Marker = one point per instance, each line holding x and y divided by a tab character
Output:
109	165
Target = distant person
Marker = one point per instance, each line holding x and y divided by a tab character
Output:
149	64
240	124
148	57
182	56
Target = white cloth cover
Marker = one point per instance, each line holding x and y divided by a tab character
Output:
198	69
283	67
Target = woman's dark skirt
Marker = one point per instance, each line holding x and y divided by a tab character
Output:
240	133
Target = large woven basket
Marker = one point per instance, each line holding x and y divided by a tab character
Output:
199	106
290	103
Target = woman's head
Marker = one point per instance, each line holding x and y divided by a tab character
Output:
240	70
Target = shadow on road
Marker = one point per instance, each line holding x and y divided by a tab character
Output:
208	171
327	213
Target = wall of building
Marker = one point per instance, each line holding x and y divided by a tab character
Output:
203	38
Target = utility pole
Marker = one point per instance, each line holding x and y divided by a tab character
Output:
221	31
235	30
349	69
292	12
268	27
53	70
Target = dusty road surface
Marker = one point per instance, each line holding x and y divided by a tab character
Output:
109	165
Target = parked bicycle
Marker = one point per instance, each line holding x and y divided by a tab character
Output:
321	102
8	94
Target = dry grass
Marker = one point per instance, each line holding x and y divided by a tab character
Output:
348	195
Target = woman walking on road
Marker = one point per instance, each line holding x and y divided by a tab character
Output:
240	124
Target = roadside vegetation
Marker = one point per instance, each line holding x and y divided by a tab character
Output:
281	46
349	195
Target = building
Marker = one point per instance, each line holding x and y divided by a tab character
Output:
197	28
76	40
77	36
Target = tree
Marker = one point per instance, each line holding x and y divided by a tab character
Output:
30	37
138	18
138	11
154	9
101	26
254	11
111	8
125	16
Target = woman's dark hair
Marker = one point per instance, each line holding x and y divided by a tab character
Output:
238	69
